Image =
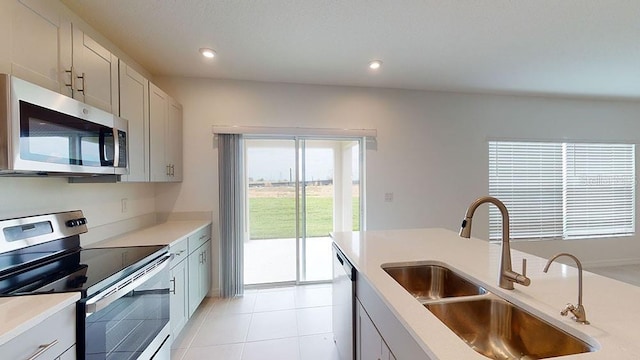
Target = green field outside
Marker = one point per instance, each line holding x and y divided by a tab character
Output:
274	218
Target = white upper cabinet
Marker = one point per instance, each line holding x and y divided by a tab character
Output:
134	107
48	50
6	42
35	45
165	124
94	71
174	142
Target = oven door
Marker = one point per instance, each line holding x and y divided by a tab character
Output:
129	320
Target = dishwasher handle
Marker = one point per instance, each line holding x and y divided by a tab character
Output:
346	265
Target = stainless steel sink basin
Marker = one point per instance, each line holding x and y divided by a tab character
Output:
489	324
432	282
500	330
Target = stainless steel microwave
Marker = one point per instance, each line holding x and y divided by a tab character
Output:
43	132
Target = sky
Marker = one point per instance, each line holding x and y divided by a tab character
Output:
278	163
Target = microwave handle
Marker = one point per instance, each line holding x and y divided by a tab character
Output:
116	147
104	161
102	301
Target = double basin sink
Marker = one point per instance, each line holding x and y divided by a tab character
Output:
486	322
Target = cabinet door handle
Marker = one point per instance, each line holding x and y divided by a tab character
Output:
173	282
200	257
81	77
71	77
43	348
166	170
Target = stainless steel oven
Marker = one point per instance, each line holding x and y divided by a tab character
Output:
123	312
129	319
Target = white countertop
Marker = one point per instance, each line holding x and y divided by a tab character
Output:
611	305
167	233
20	313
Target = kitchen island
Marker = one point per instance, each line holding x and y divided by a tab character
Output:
611	305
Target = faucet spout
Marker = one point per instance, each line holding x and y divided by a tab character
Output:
507	276
579	314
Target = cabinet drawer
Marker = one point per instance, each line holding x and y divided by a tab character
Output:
57	333
199	238
178	252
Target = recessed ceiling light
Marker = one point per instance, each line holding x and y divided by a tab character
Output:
208	53
375	64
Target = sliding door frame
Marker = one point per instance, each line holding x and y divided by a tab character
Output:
300	197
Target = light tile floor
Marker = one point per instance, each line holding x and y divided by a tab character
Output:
286	323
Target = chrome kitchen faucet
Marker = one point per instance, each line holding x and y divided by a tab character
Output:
507	276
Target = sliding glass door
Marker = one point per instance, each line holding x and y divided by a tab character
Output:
329	201
299	190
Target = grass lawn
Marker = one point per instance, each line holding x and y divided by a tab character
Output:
272	217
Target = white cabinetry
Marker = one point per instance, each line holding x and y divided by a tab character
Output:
48	50
54	338
37	51
165	136
179	300
134	107
369	342
199	268
94	72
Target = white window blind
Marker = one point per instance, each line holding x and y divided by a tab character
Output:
527	177
563	190
599	194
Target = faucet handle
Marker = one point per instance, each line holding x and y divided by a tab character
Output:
565	311
524	267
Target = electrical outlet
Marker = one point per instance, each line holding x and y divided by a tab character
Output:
124	203
388	197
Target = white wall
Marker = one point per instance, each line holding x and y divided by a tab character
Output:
431	149
100	203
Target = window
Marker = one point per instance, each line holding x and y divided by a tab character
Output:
563	190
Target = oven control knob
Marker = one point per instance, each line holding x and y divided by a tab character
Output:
76	222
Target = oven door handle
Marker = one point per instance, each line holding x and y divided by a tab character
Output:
117	291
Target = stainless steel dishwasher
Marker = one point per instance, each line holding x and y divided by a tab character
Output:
343	307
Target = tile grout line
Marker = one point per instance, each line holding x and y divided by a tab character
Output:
198	328
226	304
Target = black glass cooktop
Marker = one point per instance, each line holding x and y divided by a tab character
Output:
84	270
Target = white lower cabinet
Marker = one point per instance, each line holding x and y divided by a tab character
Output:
52	339
190	277
179	299
70	354
369	342
199	275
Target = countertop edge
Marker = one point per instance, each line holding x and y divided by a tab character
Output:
54	303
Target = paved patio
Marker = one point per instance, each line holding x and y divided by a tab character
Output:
274	260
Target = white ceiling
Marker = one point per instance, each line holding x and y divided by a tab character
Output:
556	47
